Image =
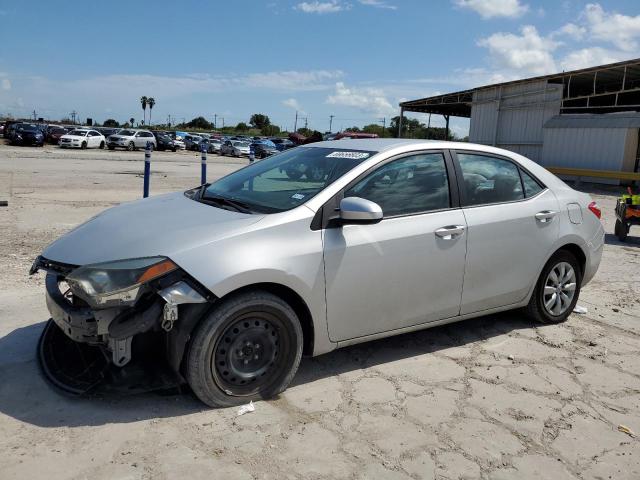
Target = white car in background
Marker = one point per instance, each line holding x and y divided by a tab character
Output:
82	138
131	139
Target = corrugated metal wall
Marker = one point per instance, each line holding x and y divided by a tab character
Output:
512	116
592	148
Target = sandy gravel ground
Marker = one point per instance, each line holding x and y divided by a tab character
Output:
492	398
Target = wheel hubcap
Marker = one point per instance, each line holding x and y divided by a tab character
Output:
246	353
559	289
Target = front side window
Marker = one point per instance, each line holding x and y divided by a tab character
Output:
489	179
284	181
406	186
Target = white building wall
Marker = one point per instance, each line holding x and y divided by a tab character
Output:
512	116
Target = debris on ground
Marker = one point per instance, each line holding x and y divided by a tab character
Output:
627	430
580	309
248	408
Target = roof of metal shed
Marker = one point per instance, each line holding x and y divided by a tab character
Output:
599	89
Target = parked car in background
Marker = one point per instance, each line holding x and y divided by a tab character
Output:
107	132
164	141
283	143
130	139
82	138
26	134
192	142
214	145
54	134
264	148
2	130
235	148
358	135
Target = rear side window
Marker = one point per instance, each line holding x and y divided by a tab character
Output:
489	179
531	185
409	185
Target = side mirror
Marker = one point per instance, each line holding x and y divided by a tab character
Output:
359	210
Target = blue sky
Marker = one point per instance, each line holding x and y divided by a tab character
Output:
354	59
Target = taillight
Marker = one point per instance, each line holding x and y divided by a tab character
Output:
593	206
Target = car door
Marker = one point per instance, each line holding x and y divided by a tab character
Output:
512	224
94	139
407	269
139	140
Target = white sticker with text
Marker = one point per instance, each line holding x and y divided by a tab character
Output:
349	155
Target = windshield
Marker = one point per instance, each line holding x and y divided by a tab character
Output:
78	133
286	180
28	128
240	144
127	133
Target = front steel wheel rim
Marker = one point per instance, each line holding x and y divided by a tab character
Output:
559	289
245	357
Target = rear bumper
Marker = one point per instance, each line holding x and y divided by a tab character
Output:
595	246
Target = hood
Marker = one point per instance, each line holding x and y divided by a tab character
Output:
72	136
162	225
119	137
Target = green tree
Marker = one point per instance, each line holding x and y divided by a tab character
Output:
305	131
352	129
270	130
259	121
199	123
110	122
151	102
242	127
143	102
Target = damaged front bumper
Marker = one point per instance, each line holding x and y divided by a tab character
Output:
105	336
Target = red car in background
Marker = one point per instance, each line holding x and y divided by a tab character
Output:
54	134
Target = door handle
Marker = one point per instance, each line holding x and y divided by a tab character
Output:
450	232
545	216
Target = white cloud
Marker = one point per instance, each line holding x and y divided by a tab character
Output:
495	8
623	31
367	100
293	104
576	32
591	56
321	8
524	54
378	4
6	84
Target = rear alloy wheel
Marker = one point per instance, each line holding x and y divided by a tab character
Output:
248	348
557	289
131	147
621	230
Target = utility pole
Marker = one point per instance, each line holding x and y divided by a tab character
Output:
73	117
215	120
306	122
34	115
330	122
222	122
295	124
384	125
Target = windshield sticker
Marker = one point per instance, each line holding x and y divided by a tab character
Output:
297	196
349	155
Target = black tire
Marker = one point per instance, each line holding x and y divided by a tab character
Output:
83	145
621	230
269	332
131	147
101	145
111	148
536	309
173	150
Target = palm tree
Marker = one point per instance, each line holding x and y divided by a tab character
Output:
131	121
151	102
143	101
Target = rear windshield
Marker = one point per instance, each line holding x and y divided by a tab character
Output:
286	180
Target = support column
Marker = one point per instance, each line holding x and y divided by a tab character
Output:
400	122
446	117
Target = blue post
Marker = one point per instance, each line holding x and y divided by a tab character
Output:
203	163
147	168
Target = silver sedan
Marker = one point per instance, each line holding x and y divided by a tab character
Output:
310	250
